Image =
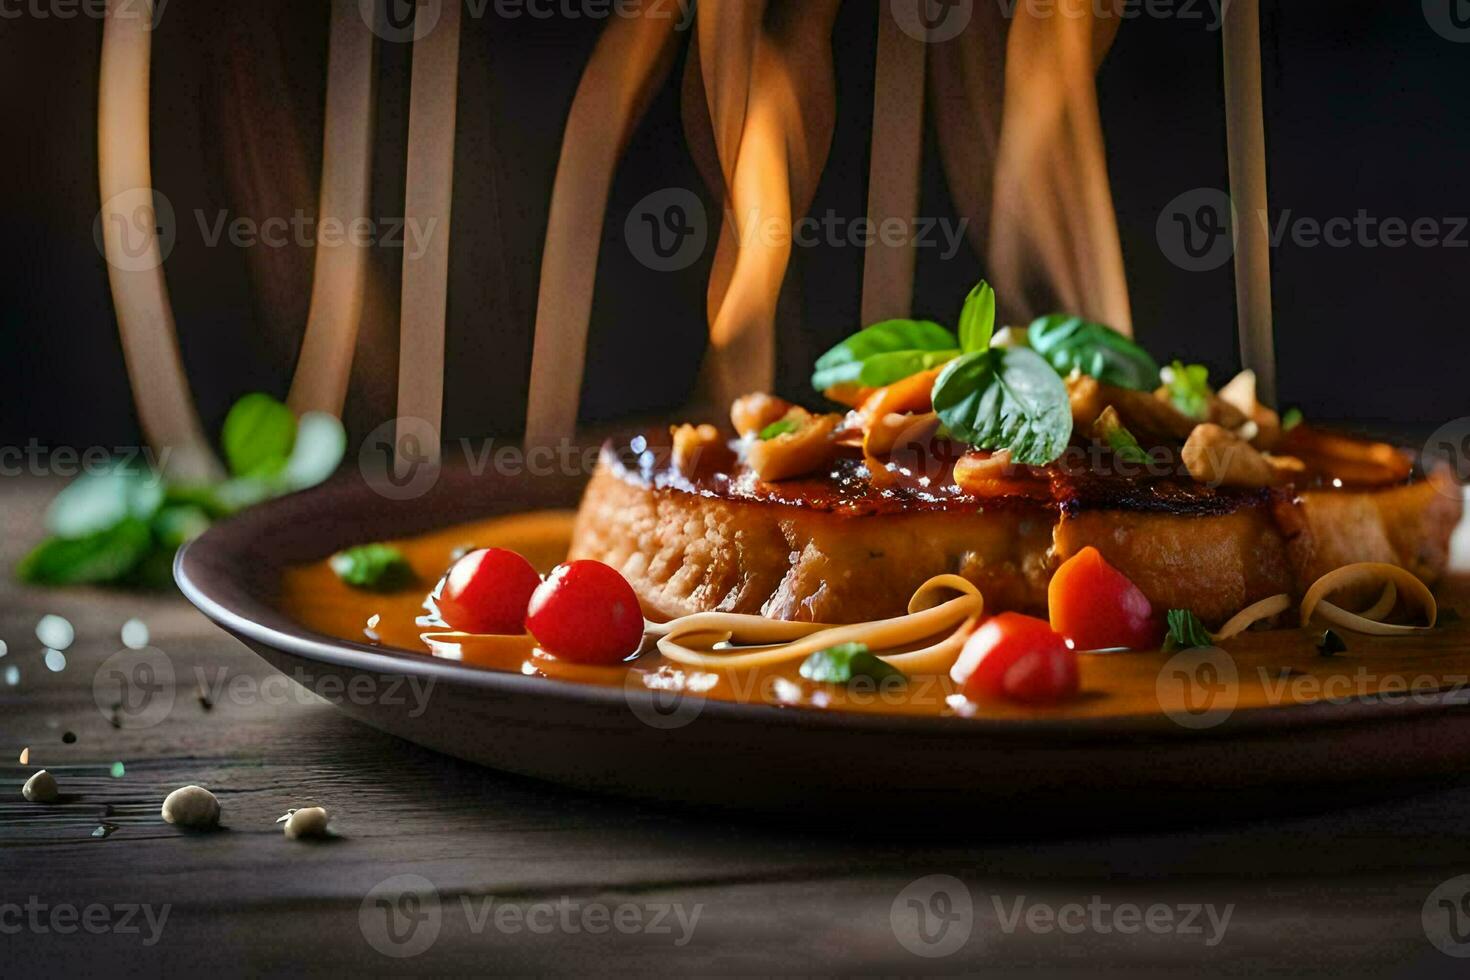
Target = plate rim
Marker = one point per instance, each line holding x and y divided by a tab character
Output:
199	563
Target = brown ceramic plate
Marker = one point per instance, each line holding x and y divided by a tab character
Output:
760	756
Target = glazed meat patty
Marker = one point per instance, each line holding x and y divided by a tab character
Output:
836	549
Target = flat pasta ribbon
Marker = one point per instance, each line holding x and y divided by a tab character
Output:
764	642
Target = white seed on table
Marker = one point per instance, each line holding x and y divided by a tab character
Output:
40	788
135	634
191	806
55	631
309	821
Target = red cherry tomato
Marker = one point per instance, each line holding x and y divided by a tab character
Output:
487	591
1016	658
1096	607
587	613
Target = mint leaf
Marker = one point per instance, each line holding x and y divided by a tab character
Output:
104	556
1189	389
1186	632
778	428
258	436
977	318
1006	398
375	567
884	353
1291	419
840	664
1070	343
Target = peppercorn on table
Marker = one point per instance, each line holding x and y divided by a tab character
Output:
436	866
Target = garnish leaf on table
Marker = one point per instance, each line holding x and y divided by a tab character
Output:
1070	343
846	661
122	523
1186	631
374	567
258	435
1006	398
884	353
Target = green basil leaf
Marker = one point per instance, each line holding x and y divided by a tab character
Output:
1186	632
258	436
884	353
1124	445
1189	389
321	442
1291	419
840	664
1070	343
177	524
105	556
96	501
1006	398
376	567
779	428
977	318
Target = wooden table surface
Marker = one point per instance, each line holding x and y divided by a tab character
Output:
519	877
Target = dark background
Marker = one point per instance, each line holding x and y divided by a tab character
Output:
1365	110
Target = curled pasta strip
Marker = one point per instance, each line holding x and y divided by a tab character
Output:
1264	609
946	604
1365	573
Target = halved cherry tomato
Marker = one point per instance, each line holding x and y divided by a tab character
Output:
587	613
1096	607
487	591
1017	658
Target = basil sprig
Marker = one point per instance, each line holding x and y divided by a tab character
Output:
977	318
1006	398
884	353
1070	343
1188	386
1186	632
122	523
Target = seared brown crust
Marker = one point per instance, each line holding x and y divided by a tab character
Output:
832	550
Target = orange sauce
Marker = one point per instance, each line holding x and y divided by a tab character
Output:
1276	667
